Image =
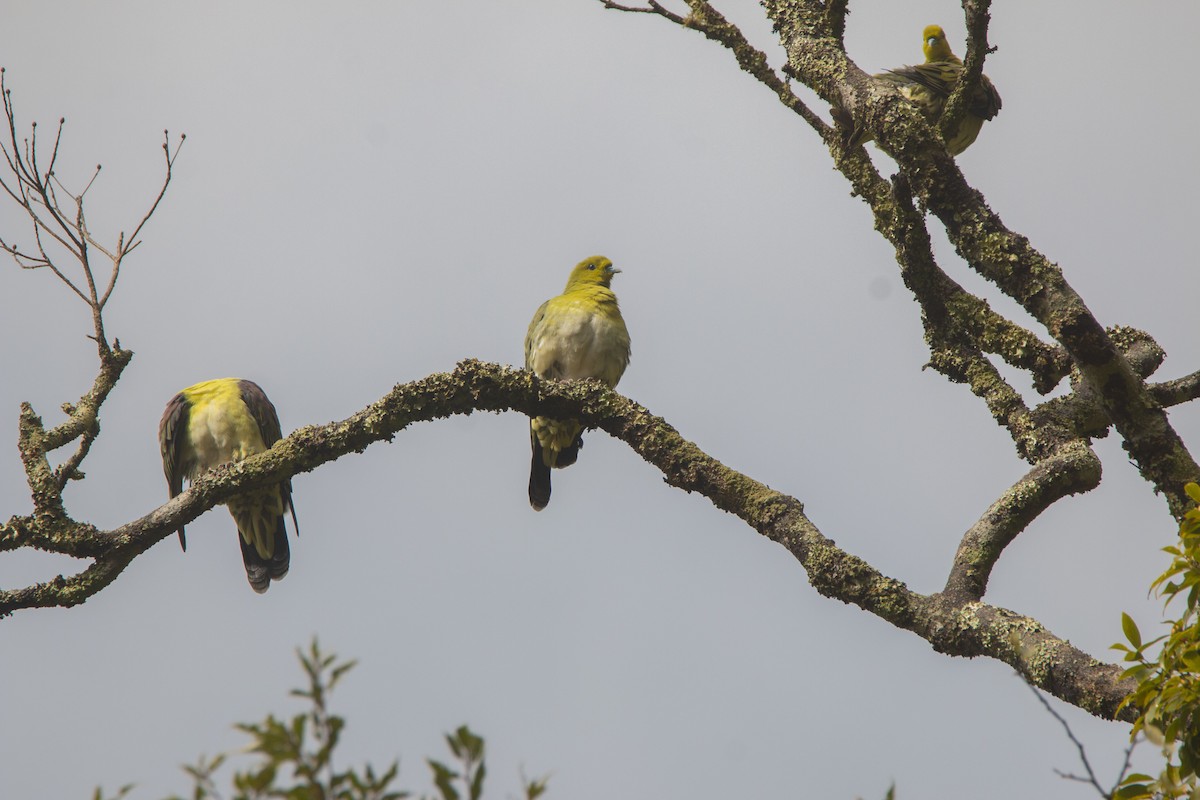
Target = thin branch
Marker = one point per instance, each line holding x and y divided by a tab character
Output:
39	227
34	192
835	14
1175	392
714	26
1126	762
977	19
124	249
1091	778
653	8
44	189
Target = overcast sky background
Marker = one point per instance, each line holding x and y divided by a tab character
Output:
372	191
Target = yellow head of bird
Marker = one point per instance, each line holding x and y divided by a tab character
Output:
592	271
935	45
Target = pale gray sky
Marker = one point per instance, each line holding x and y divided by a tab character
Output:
371	191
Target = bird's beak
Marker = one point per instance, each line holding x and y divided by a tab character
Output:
613	270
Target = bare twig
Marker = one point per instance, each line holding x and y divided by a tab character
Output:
714	26
36	190
652	7
1090	778
127	245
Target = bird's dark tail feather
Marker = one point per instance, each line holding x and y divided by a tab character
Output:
539	479
569	455
182	540
261	571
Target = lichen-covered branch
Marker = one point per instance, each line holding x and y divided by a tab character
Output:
997	253
1180	390
1074	468
952	627
1109	368
812	39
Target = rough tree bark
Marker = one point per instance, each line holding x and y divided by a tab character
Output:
1107	370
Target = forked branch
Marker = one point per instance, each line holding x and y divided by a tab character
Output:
951	626
32	184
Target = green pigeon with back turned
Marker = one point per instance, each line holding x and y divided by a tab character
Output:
220	421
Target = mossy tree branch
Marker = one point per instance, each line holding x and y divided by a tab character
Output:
818	58
1109	368
952	627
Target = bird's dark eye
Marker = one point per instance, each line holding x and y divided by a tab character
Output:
591	266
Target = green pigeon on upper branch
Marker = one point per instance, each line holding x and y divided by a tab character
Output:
928	86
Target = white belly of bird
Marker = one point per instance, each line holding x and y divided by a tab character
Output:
576	354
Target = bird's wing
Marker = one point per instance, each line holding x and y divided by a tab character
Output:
534	333
938	77
172	439
263	412
173	443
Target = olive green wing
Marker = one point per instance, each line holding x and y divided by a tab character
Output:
175	448
534	334
939	78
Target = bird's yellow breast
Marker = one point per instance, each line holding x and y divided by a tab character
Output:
578	336
220	426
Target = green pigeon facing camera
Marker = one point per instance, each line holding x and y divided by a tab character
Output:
578	334
221	421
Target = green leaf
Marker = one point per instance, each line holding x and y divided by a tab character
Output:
1132	791
1131	630
477	782
1137	777
452	743
443	779
536	788
472	743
